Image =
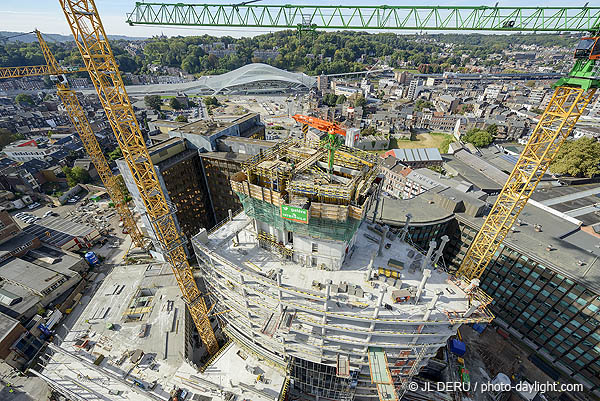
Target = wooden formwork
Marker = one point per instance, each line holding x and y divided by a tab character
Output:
329	211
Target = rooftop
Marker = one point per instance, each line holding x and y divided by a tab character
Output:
57	231
164	343
416	155
208	127
31	276
7	324
251	259
581	202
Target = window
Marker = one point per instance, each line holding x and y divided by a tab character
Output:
315	247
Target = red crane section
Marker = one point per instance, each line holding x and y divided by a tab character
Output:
320	124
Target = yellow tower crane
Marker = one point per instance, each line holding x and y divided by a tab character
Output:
90	38
83	128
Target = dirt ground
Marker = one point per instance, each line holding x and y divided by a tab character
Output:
423	141
495	354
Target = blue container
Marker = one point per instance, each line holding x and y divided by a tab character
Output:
479	327
458	347
91	258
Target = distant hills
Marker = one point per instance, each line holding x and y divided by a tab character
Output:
53	37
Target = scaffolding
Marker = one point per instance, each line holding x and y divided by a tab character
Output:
318	227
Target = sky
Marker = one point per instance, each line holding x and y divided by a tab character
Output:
47	16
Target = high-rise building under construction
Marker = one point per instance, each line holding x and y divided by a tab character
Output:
349	309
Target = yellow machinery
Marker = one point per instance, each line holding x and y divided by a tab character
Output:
90	38
82	126
32	70
555	125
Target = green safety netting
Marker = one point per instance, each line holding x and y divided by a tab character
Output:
317	227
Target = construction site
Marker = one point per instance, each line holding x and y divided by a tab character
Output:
301	294
350	309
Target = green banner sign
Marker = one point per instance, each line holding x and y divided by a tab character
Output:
294	213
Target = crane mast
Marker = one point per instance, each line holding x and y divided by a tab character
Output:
82	126
92	42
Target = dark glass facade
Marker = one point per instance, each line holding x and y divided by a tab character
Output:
555	315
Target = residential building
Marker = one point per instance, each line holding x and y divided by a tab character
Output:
322	83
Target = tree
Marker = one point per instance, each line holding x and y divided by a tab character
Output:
115	154
153	101
23	98
181	118
477	137
492	129
175	104
421	104
341	99
211	101
370	130
76	175
360	101
7	137
578	158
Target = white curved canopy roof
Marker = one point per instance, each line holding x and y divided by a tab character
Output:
252	73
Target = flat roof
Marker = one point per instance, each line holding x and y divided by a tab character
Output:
422	208
62	225
570	244
29	275
232	156
471	174
479	164
7	324
417	154
578	201
209	127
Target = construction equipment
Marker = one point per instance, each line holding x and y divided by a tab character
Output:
34	70
333	142
79	120
383	17
92	42
571	96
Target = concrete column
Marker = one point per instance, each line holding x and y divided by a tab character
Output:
247	306
431	305
379	303
382	240
327	294
426	275
474	283
279	292
370	269
440	250
237	237
470	311
427	258
405	228
430	309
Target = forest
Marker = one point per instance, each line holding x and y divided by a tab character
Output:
313	54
